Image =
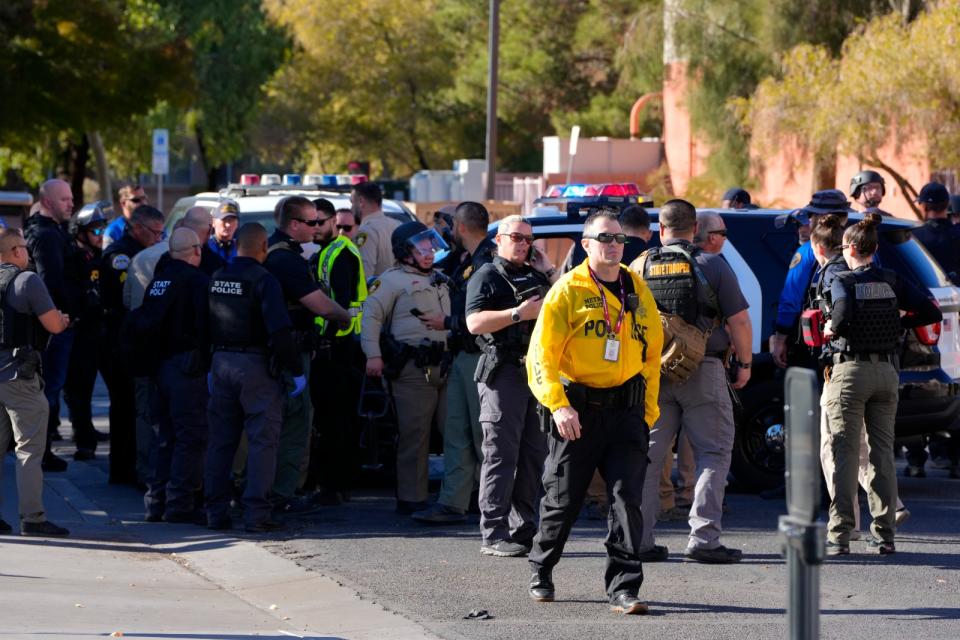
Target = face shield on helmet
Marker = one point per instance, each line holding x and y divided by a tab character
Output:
426	244
93	213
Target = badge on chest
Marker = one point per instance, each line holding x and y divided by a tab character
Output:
611	349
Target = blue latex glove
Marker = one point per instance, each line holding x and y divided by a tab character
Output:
299	384
210	383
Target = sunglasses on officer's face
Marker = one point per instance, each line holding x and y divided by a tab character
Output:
345	227
309	223
607	238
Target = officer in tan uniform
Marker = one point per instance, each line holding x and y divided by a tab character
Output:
373	237
404	340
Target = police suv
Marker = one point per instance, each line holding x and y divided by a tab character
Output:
257	196
759	248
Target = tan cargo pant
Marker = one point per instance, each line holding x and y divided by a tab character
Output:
862	396
418	399
23	417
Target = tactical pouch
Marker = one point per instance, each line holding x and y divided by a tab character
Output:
684	347
811	327
28	362
545	419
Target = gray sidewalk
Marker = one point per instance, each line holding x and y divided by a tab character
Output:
117	574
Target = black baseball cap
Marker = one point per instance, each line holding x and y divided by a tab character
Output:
933	193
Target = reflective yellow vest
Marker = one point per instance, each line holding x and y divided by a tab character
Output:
327	257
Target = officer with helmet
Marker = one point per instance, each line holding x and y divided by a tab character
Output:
862	383
867	188
404	340
503	301
86	229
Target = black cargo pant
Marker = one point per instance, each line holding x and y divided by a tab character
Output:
81	379
123	417
615	442
335	379
176	460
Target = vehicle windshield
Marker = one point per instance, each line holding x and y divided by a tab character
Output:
903	254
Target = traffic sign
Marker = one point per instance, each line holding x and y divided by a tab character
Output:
161	152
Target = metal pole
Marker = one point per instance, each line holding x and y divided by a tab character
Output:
494	56
160	191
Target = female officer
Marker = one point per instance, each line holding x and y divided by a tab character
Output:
403	338
862	382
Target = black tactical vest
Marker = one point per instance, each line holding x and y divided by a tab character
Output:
525	283
17	329
875	323
235	316
673	281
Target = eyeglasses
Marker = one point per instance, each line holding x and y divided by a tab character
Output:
138	199
345	227
97	232
517	237
719	232
309	223
607	238
157	233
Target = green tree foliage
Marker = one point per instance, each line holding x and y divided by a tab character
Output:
70	67
893	80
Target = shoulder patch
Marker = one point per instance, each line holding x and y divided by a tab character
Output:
120	262
373	286
361	239
795	260
467	272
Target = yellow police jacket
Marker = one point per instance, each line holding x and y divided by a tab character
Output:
570	336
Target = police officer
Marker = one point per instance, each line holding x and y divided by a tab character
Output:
594	363
177	298
335	375
409	352
698	290
783	342
462	435
736	198
50	256
85	357
144	230
221	244
503	300
374	236
251	340
862	383
297	219
938	235
130	196
826	240
27	318
868	188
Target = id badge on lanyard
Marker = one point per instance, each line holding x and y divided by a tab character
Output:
611	345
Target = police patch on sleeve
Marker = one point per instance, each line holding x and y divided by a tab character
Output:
795	260
361	239
374	286
120	262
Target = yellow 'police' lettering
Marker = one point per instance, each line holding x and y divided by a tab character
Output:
668	269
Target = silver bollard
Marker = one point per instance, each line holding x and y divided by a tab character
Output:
804	537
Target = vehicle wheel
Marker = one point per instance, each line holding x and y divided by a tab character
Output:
758	447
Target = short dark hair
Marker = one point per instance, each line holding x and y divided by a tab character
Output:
597	215
369	191
678	215
324	205
145	212
473	215
288	208
635	218
249	236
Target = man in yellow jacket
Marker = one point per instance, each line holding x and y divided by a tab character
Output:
594	364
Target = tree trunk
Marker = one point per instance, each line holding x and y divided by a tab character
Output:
79	155
825	173
103	171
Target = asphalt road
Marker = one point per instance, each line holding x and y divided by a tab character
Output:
436	576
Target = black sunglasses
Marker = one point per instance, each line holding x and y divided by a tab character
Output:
345	227
309	223
607	238
720	232
138	199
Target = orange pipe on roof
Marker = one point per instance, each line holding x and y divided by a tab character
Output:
637	107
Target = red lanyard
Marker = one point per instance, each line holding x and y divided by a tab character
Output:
603	299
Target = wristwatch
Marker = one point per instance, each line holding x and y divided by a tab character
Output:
515	314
